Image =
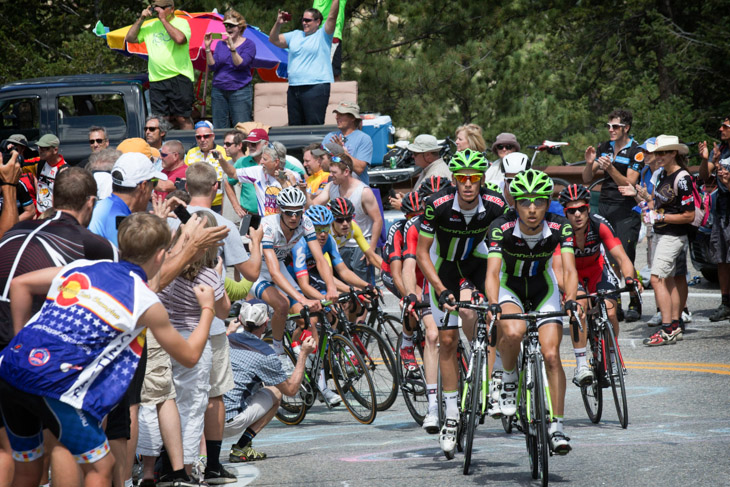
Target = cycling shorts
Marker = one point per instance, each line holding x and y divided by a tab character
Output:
540	292
265	281
597	279
390	284
26	416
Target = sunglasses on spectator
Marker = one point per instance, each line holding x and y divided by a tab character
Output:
615	126
342	220
725	125
335	159
229	26
662	152
291	213
577	209
228	144
322	147
504	147
97	141
322	229
463	178
204	136
164	154
538	201
151	129
306	20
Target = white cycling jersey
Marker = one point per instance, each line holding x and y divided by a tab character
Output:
274	235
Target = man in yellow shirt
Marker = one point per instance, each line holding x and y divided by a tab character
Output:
208	151
317	177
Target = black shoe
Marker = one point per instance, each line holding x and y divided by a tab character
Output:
619	313
219	476
721	313
632	315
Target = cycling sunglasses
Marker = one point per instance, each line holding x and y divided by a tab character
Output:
463	178
577	209
321	229
341	220
538	201
615	126
292	212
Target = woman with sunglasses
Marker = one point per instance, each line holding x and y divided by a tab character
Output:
521	246
505	143
310	64
232	96
594	236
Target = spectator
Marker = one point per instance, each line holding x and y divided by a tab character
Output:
325	153
133	179
232	96
155	130
504	144
310	66
357	144
317	178
336	53
136	144
367	212
469	136
173	166
100	165
98	139
44	170
20	205
426	155
620	161
170	68
207	151
717	161
291	169
260	380
234	142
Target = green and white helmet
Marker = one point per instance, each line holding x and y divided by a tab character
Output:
468	159
531	182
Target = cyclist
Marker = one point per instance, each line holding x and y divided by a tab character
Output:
512	164
391	270
594	236
282	231
344	229
457	219
521	245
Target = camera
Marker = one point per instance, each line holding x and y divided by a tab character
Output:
6	149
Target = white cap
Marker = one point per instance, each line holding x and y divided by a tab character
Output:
257	313
133	168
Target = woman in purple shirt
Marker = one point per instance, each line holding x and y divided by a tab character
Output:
231	62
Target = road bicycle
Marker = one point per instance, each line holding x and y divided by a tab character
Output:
413	382
386	324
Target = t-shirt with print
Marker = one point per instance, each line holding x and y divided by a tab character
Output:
267	188
317	181
247	198
45	177
167	58
180	301
196	155
670	203
629	157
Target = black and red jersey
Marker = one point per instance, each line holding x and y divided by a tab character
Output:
590	257
410	241
392	250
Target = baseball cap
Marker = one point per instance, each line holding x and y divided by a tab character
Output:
256	135
645	145
424	143
204	123
348	107
329	148
135	144
20	140
255	311
48	140
133	168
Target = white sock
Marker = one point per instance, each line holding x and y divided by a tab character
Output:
407	341
452	409
556	425
509	376
498	362
128	482
431	390
580	356
278	346
322	383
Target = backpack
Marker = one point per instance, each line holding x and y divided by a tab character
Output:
701	215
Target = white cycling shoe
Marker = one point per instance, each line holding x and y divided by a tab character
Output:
508	399
447	440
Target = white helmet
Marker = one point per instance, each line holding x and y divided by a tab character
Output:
291	197
515	162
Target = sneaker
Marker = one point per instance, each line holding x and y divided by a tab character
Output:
331	398
220	476
655	320
245	454
447	440
409	359
286	364
508	399
582	376
662	338
168	481
686	316
721	313
431	422
559	443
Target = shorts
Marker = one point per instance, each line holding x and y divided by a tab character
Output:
353	258
221	374
666	253
720	242
172	96
539	293
336	54
605	280
265	281
157	386
119	421
627	225
26	415
257	406
390	284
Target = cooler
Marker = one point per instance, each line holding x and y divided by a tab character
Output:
381	130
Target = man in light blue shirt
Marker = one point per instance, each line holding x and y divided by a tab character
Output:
310	65
358	145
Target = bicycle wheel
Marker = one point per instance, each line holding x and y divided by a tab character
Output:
473	409
389	327
413	385
592	394
542	418
352	379
293	408
507	424
380	363
616	369
526	418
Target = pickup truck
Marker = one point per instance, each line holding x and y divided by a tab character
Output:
68	105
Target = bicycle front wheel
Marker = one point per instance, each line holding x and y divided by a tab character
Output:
413	385
592	393
352	379
541	419
472	403
389	328
616	372
380	362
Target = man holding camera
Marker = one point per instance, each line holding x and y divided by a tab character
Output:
11	154
172	155
207	151
45	169
170	68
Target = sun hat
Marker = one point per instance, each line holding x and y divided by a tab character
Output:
505	138
348	107
668	142
424	143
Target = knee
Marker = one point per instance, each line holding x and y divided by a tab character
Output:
509	335
432	337
447	342
552	358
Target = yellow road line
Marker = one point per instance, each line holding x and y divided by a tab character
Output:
712	368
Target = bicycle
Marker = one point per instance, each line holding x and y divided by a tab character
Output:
387	325
608	368
413	382
345	364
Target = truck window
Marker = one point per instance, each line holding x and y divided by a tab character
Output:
20	116
76	113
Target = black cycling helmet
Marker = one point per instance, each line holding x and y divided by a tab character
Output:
432	185
412	202
341	207
574	192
